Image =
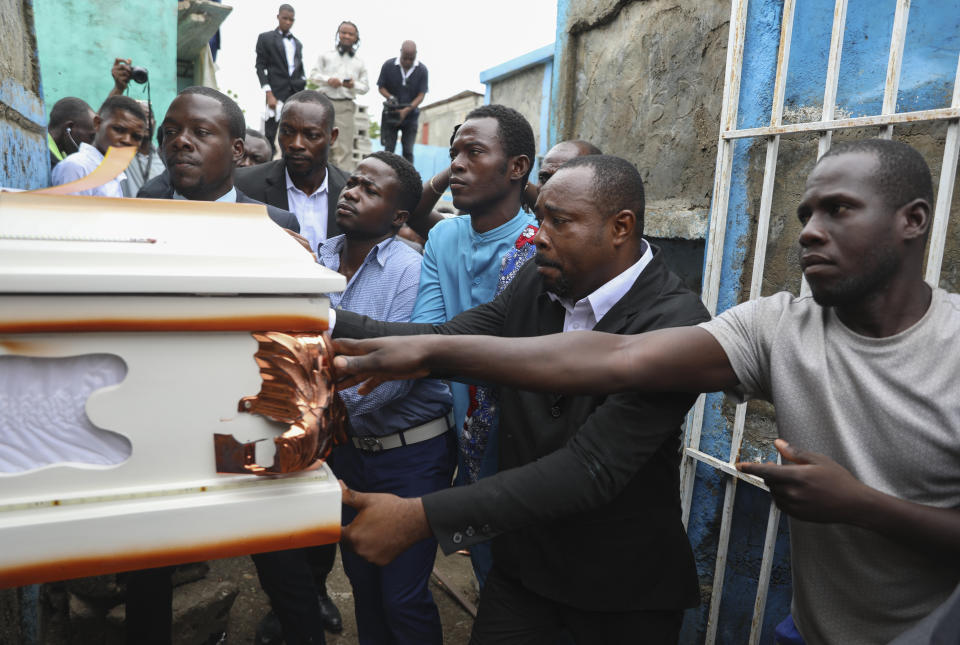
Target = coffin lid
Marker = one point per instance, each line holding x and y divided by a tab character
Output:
87	245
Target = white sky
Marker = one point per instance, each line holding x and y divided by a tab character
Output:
456	41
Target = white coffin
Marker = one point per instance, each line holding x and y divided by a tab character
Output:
125	345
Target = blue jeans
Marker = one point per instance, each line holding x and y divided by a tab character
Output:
393	603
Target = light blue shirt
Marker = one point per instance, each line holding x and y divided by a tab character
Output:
385	288
230	196
460	271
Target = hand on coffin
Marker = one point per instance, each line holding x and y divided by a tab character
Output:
373	361
304	242
385	525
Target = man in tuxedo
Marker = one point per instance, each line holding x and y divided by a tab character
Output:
279	66
302	181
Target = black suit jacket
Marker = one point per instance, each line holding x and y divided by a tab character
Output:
585	510
160	188
272	66
267	183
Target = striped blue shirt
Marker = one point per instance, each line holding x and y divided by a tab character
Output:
385	288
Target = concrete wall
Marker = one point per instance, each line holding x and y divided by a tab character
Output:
24	161
523	92
78	40
443	117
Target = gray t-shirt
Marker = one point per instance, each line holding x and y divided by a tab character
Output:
888	410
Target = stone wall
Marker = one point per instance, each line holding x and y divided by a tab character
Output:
523	92
24	162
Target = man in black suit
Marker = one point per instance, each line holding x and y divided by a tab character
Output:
201	140
584	512
279	65
303	181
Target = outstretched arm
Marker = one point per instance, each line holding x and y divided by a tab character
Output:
681	359
815	488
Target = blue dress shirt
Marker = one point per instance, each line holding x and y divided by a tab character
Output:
385	288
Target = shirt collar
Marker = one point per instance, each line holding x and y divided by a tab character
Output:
396	61
90	151
607	295
330	250
282	35
229	196
319	191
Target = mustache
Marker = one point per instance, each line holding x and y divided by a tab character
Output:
541	261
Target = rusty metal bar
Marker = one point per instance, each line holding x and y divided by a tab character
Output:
718	219
894	63
766	566
948	174
833	73
938	114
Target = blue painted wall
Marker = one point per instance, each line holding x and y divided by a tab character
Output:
24	161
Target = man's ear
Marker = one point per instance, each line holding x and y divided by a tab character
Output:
519	166
334	133
624	226
399	219
914	219
96	122
238	151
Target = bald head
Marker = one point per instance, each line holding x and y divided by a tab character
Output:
408	54
561	154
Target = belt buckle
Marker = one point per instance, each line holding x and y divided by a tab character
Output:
370	444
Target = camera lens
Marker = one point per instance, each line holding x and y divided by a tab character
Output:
139	74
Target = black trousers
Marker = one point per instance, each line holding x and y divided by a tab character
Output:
408	129
294	580
511	614
270	127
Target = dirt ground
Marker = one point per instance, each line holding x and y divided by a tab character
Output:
251	604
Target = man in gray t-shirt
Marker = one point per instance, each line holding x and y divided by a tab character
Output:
864	379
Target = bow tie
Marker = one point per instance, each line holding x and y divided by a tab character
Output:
288	36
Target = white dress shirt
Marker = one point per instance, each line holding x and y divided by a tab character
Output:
333	64
230	196
311	210
584	314
80	164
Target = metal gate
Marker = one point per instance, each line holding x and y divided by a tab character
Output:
771	134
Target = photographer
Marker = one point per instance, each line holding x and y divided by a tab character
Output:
146	164
341	76
403	82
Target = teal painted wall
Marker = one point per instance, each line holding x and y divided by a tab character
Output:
77	41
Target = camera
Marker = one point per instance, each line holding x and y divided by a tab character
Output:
139	74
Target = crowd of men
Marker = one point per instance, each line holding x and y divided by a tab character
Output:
572	355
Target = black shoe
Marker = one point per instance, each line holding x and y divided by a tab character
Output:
269	631
330	615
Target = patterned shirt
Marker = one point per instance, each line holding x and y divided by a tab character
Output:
385	288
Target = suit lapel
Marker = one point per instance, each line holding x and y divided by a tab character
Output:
283	52
275	191
335	184
643	292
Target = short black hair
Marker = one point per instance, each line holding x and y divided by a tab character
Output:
236	123
585	147
313	96
513	131
902	174
617	185
121	103
66	109
259	135
411	184
285	7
